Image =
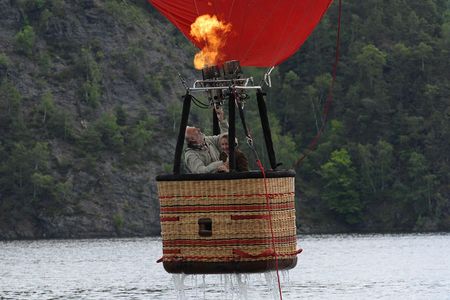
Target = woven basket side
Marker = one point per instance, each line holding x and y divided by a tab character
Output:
223	226
239	217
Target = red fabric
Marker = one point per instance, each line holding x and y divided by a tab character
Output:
267	252
249	217
170	219
171	251
264	32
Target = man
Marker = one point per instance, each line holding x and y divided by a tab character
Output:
202	154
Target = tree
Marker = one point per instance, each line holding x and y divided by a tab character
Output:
42	184
385	157
40	156
339	186
4	62
419	185
47	105
371	60
10	107
19	168
141	135
286	106
284	144
121	115
110	132
367	169
25	40
424	52
91	88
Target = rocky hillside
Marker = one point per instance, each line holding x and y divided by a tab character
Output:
90	100
88	105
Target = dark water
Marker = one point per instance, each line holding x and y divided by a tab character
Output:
331	267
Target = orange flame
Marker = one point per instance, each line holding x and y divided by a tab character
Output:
209	30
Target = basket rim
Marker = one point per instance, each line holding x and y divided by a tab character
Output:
226	176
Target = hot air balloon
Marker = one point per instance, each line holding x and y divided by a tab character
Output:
264	33
233	222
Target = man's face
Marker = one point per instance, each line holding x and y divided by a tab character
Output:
194	135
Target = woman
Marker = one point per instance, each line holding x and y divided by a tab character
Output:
241	159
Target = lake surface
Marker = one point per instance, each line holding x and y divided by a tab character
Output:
330	267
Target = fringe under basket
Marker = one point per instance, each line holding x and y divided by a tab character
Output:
228	222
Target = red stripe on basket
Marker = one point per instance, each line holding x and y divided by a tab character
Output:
170	219
249	217
265	253
227	195
171	251
203	208
227	242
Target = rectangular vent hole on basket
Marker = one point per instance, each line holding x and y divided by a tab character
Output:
205	227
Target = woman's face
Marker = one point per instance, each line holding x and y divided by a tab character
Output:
224	144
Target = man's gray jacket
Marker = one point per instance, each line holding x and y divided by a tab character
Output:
207	158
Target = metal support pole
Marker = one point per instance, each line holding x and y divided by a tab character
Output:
216	127
231	131
266	128
181	133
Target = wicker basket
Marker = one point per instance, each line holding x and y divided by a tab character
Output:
223	223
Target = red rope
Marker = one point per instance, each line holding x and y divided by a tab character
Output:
329	101
261	167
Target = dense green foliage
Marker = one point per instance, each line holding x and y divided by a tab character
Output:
383	162
385	157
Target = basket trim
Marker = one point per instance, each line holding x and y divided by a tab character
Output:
225	176
227	195
235	258
233	208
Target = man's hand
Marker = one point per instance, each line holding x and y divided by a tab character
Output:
219	113
223	168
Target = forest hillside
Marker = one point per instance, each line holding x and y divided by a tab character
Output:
90	101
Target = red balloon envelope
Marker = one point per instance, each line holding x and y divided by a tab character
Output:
264	32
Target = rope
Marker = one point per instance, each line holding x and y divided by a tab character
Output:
261	167
266	192
266	78
247	133
329	100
